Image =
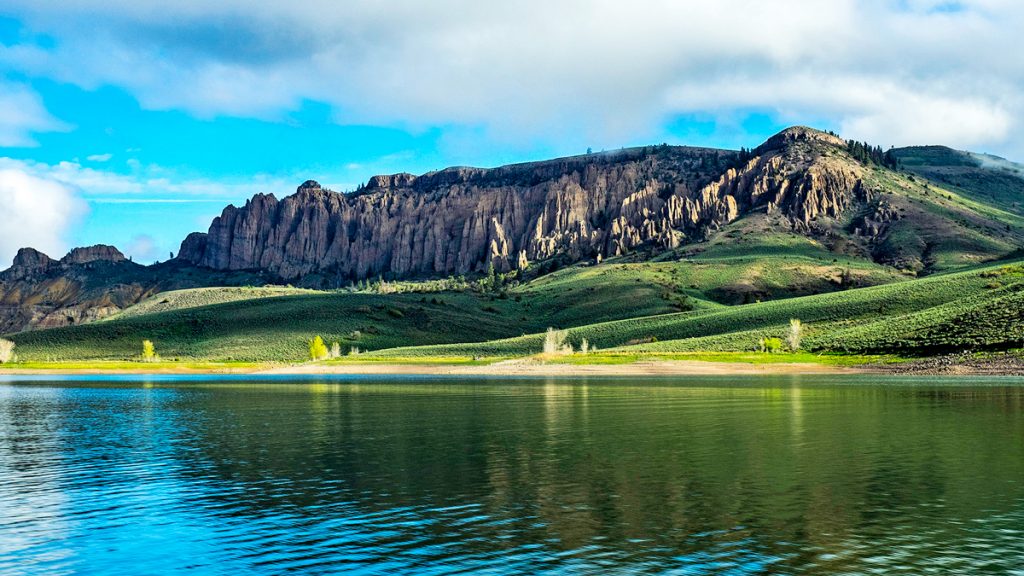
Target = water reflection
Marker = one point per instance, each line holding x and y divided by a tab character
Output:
786	475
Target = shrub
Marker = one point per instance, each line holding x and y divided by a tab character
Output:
317	349
585	346
771	345
796	329
336	350
149	351
6	351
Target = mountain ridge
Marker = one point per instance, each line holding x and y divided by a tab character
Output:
527	218
464	220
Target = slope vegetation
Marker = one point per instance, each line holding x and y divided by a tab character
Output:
275	323
965	310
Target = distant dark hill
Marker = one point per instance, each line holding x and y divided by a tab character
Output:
982	177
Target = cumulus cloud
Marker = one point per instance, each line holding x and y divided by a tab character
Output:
35	212
42	205
22	114
895	72
148	183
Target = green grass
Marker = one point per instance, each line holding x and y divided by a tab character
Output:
975	309
740	327
938	229
414	360
737	357
277	328
274	324
988	180
175	300
994	319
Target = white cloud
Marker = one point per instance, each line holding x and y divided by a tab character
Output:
22	114
42	205
36	212
147	183
99	157
142	248
570	71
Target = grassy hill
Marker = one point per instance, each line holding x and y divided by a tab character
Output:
834	322
908	266
176	300
641	302
274	323
982	177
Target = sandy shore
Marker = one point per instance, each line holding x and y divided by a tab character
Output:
529	367
1002	365
517	367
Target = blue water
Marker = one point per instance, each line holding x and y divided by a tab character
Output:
773	475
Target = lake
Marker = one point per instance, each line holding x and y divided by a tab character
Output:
371	475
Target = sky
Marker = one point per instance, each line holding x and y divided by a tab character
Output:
134	122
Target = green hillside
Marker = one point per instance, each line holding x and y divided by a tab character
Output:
975	309
275	323
984	178
905	266
195	298
933	301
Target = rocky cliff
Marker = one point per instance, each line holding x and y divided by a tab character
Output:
30	262
801	182
89	284
462	220
39	291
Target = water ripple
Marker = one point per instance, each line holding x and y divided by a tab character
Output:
538	477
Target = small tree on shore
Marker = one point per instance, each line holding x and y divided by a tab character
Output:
149	351
317	349
585	347
794	335
336	350
554	341
6	351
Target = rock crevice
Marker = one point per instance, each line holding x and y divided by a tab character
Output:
462	220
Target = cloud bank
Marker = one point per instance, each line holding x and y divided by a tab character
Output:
890	71
43	205
35	212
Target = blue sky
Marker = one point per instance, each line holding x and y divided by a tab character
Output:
134	123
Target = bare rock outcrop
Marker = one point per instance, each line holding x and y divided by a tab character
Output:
461	220
27	262
92	254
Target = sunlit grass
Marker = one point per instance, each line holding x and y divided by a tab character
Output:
725	357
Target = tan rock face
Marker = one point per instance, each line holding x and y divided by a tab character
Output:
92	254
30	262
461	220
40	292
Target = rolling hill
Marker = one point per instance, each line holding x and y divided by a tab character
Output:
649	250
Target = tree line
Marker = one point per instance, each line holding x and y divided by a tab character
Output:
867	154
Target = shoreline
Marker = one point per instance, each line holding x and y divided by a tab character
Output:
516	367
528	367
953	365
